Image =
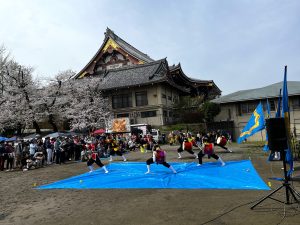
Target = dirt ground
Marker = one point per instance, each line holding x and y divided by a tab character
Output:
20	203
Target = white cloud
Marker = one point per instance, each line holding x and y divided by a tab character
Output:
238	44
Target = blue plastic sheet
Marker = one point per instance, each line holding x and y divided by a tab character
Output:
235	175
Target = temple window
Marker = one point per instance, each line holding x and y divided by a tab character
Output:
148	114
296	102
272	105
121	101
141	98
121	115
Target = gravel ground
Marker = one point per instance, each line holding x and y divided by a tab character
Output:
20	203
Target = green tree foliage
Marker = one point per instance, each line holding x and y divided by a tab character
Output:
188	109
210	110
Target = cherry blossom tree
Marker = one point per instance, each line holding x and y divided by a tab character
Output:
18	95
86	106
24	103
53	99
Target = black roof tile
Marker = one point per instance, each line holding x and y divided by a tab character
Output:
133	76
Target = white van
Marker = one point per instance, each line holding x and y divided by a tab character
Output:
156	135
141	128
144	129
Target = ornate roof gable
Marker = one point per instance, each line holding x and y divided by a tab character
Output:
114	53
197	87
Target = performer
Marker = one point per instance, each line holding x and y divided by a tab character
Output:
115	150
221	142
159	156
187	146
208	149
94	158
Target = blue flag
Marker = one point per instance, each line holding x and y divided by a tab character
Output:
278	105
266	146
255	124
286	115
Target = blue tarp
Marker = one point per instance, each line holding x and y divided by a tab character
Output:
11	139
235	175
3	138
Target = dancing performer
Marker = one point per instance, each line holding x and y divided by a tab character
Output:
94	158
115	149
159	156
208	149
186	146
221	142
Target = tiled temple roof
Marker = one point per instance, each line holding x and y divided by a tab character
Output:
127	47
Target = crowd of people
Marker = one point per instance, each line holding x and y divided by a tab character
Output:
41	152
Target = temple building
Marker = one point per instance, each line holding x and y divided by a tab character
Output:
139	87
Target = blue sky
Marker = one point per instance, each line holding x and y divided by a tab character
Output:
240	44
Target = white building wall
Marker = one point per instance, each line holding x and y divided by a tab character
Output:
156	102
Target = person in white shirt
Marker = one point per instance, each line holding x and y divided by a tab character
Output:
32	148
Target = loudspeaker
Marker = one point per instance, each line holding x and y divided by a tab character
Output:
277	136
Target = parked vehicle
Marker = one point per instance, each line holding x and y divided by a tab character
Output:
144	129
156	134
141	128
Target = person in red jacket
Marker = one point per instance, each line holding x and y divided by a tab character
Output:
221	142
94	158
208	149
159	156
186	146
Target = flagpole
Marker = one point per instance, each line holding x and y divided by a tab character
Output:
289	190
286	116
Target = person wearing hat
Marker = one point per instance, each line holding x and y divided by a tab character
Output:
208	149
159	156
186	146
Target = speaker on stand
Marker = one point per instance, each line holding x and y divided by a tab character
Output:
277	137
278	142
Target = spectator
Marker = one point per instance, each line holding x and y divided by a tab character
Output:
49	149
10	152
57	151
39	159
2	156
19	151
32	148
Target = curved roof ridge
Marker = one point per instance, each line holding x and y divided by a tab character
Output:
110	33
